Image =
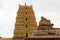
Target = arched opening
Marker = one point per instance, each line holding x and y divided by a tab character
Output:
26	13
26	26
26	19
26	34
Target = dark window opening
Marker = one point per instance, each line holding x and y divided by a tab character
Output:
26	19
26	7
26	26
26	34
26	12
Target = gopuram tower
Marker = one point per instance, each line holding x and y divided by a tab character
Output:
25	22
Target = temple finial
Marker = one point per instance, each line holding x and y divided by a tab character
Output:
25	4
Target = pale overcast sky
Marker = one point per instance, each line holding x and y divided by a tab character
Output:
50	9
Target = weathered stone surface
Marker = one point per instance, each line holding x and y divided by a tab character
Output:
45	24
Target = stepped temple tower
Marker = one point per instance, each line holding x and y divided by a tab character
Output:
25	22
45	24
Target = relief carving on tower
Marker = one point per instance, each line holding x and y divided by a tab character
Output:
25	22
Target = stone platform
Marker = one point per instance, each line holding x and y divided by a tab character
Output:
44	38
39	38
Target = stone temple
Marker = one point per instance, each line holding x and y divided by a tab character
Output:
25	22
26	27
